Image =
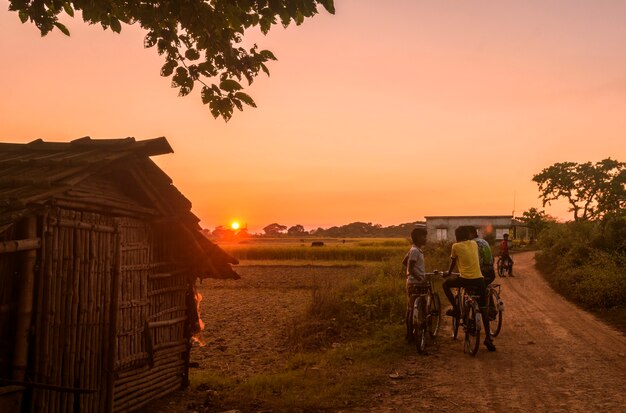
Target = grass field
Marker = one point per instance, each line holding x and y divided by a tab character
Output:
345	250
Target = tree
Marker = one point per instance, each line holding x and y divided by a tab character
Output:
223	233
592	190
274	229
296	230
201	40
536	219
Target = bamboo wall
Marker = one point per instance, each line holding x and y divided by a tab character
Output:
73	312
152	343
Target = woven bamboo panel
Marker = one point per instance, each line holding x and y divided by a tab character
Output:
72	317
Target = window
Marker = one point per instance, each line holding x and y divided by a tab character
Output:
500	232
442	234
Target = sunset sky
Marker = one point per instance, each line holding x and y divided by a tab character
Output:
385	112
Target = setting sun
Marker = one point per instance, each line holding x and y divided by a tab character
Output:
234	225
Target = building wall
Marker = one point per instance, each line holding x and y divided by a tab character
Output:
441	228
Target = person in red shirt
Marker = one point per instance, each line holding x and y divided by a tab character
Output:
504	252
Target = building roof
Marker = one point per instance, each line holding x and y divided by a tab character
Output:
39	173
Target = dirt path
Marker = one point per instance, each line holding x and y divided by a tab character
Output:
551	356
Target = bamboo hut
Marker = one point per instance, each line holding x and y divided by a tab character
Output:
99	254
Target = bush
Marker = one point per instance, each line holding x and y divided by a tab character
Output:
580	260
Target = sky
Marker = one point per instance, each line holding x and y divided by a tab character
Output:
386	112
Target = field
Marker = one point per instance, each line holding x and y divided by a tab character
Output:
330	338
336	251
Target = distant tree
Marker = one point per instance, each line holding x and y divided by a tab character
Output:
536	219
318	232
592	190
223	233
296	230
274	229
201	40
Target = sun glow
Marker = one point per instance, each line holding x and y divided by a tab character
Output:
235	225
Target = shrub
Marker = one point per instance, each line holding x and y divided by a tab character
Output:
581	262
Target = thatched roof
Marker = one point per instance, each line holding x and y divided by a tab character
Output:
39	174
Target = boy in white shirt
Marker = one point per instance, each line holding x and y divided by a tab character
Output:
415	273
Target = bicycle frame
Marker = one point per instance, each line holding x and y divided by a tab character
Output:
426	305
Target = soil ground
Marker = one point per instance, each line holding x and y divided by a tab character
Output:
551	355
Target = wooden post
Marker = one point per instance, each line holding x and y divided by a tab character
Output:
28	230
111	354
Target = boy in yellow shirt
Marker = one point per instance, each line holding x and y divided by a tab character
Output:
465	256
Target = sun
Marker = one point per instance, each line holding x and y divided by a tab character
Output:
235	225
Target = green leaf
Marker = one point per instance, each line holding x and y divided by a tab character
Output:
63	29
168	68
23	16
68	9
150	40
207	94
214	108
192	54
265	24
245	99
329	5
115	25
238	104
265	69
230	85
267	55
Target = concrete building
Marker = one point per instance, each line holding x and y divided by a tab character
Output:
441	228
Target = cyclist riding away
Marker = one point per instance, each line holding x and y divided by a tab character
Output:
465	256
415	273
504	252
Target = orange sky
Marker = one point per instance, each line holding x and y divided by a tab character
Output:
380	113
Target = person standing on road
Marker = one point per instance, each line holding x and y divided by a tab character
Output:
504	252
465	255
415	273
485	256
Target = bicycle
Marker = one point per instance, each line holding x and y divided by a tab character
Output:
466	300
426	313
504	266
495	307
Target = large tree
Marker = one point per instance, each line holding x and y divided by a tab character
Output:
201	40
592	190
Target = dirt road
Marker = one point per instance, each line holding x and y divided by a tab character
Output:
551	357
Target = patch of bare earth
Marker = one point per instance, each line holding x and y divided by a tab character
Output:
551	356
246	324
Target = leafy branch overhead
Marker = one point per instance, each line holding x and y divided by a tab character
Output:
201	40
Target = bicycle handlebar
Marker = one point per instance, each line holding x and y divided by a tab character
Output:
444	274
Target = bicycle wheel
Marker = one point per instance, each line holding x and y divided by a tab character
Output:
472	329
493	312
456	321
433	315
501	268
419	324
